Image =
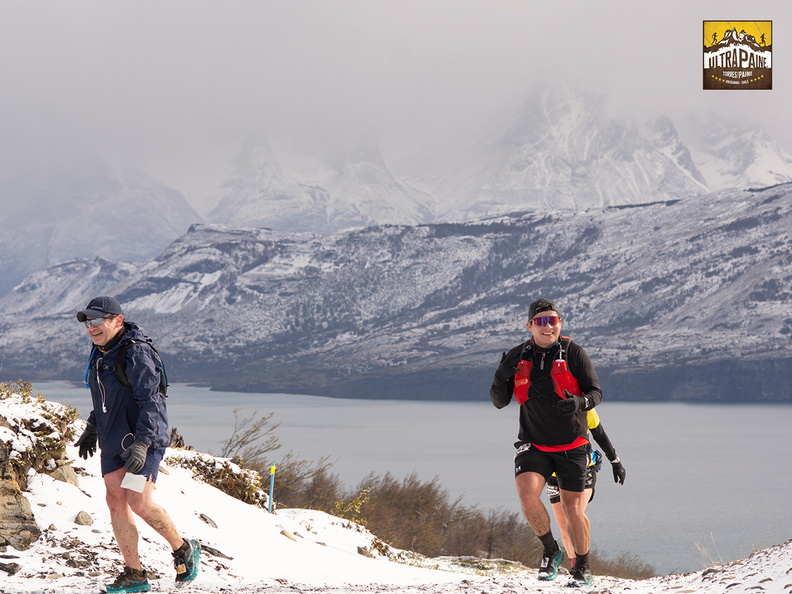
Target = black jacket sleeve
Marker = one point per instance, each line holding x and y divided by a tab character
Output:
583	369
603	441
501	391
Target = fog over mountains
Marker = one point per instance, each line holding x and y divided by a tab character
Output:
83	209
321	190
562	149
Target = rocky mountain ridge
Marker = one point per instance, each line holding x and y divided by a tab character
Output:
682	299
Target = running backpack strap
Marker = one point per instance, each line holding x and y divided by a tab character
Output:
88	367
119	369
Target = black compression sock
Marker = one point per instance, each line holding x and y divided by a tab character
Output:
184	547
581	560
548	542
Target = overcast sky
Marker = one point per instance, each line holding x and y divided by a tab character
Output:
175	86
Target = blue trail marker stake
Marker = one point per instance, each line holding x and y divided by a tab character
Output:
272	488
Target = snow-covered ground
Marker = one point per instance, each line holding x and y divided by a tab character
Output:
247	549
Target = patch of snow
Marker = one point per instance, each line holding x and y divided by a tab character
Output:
247	549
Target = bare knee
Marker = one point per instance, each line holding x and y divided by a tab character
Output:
116	500
573	504
142	506
571	510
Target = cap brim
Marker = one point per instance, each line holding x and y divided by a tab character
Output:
90	313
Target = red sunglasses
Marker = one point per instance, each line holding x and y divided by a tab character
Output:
545	320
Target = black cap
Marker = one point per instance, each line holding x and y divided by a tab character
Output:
99	307
541	305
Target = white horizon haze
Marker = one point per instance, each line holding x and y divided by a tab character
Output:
175	89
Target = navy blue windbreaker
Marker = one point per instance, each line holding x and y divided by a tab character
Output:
123	414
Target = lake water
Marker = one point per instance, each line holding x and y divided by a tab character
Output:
712	476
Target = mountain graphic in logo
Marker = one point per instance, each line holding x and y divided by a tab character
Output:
738	55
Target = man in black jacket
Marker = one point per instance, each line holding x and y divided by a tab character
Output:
554	382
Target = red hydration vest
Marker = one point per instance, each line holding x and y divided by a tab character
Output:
560	374
562	380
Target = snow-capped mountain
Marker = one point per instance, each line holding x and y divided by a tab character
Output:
89	211
320	190
730	154
565	149
683	299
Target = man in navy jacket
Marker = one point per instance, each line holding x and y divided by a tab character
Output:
130	424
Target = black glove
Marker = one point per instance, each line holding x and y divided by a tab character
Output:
507	367
136	456
87	442
619	473
572	404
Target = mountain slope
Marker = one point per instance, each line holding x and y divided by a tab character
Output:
685	299
86	211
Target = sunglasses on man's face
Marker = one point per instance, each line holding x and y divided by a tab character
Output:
545	320
94	322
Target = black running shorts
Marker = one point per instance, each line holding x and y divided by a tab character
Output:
552	485
569	466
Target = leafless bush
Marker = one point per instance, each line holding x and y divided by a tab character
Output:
406	513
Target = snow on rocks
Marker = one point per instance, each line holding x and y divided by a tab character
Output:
247	550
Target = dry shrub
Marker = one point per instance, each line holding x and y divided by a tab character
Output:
408	513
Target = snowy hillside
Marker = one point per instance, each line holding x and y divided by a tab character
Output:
686	299
247	549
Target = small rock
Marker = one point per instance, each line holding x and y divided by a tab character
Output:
214	552
288	535
10	568
66	474
84	519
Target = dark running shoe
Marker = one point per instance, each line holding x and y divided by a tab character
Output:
580	577
129	580
186	560
551	560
